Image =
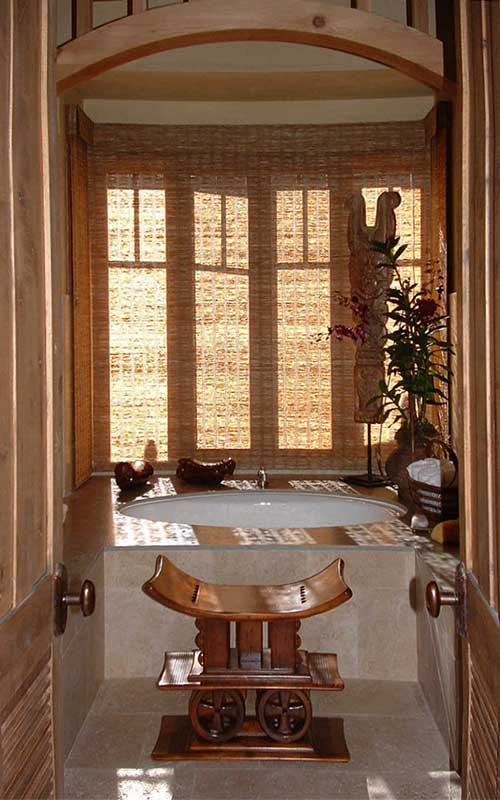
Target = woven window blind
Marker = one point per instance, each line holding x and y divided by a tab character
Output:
221	314
137	291
303	268
216	253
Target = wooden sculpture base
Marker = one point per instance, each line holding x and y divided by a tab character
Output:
324	742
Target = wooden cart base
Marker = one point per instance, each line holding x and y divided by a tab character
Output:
324	742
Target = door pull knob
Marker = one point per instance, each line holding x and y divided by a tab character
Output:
435	598
63	599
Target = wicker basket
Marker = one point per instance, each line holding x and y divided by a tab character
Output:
438	503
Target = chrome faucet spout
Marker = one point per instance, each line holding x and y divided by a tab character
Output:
262	478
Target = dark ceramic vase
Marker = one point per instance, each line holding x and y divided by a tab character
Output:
403	455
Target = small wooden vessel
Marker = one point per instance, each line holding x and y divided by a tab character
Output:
266	656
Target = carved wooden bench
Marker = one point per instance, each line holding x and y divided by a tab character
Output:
263	623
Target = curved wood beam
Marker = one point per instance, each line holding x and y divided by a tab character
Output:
315	23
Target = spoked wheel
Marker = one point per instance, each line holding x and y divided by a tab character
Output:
217	716
285	714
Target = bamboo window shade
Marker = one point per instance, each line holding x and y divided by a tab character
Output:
301	234
220	229
216	256
137	290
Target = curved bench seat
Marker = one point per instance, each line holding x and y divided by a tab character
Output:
186	594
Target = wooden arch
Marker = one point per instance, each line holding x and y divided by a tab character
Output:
317	23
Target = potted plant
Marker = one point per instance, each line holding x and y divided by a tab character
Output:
416	350
417	354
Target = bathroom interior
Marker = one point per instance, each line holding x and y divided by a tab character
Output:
219	199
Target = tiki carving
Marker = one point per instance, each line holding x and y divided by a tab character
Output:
369	285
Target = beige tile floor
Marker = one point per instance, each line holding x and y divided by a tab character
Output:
397	752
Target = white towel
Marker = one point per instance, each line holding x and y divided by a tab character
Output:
434	471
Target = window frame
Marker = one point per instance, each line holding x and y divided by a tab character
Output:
263	346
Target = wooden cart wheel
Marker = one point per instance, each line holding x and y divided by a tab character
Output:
284	714
217	715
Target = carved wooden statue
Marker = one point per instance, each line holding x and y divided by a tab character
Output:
369	285
266	656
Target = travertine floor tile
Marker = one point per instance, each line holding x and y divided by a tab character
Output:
112	741
166	783
137	696
381	698
273	781
414	786
397	752
399	744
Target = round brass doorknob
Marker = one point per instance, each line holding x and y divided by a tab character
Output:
86	598
435	598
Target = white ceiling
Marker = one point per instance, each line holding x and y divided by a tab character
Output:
251	57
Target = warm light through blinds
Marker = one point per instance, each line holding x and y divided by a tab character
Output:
302	237
409	225
215	256
137	308
318	226
304	366
289	227
152	245
222	319
137	362
121	239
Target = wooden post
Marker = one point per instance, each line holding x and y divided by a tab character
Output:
249	644
81	18
419	15
216	644
283	643
136	6
364	5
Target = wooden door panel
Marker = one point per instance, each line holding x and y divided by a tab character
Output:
479	237
28	656
27	744
30	435
482	741
6	327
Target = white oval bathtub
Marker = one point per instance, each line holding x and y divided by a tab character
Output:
265	509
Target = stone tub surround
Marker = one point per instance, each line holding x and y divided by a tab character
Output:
375	634
94	521
438	659
83	646
379	620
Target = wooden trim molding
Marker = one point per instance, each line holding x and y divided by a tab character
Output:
315	23
82	17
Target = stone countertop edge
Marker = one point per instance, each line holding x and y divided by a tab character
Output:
441	562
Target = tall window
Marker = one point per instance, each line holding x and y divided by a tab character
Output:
222	315
137	279
209	291
302	265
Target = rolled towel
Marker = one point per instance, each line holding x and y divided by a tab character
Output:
434	471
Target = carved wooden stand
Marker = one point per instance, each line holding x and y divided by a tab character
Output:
219	675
